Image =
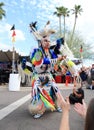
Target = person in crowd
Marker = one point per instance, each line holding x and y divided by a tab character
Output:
81	109
68	76
65	105
91	86
92	72
84	76
87	113
77	95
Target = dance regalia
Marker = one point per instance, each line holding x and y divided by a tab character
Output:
44	88
43	61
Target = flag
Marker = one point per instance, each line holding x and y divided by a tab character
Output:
13	27
13	33
81	48
13	39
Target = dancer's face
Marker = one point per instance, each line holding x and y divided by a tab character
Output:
45	42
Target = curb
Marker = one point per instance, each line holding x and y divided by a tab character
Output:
61	86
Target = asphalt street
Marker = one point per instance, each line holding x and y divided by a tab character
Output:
15	106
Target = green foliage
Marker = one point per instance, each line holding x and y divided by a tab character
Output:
77	42
2	11
61	11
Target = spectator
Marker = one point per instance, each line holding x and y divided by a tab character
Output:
84	76
91	86
92	72
87	113
76	96
65	105
68	76
82	110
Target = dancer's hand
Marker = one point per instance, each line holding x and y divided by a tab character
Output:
61	58
81	109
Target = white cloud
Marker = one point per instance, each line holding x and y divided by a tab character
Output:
19	35
5	47
4	27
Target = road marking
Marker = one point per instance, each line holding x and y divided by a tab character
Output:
10	108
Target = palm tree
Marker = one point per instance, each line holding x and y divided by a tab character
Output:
65	14
77	10
2	12
58	14
62	11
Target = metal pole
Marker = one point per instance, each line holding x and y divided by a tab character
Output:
13	59
82	58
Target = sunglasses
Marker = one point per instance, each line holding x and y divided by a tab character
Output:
46	41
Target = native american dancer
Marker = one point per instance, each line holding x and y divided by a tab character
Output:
44	60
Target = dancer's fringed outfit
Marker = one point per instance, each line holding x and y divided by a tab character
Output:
43	63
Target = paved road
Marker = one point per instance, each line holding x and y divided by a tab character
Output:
20	119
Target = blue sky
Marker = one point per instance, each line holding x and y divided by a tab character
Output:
23	12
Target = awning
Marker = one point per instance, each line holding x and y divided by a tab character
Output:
6	56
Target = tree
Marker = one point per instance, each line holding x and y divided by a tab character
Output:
62	11
65	14
58	14
77	42
2	12
77	10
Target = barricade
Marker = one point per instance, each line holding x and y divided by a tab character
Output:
58	79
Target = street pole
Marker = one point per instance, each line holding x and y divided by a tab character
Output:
13	53
14	79
81	54
13	59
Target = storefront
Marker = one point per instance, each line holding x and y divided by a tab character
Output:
6	65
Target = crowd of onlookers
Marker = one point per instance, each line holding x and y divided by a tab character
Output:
77	98
4	76
87	76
